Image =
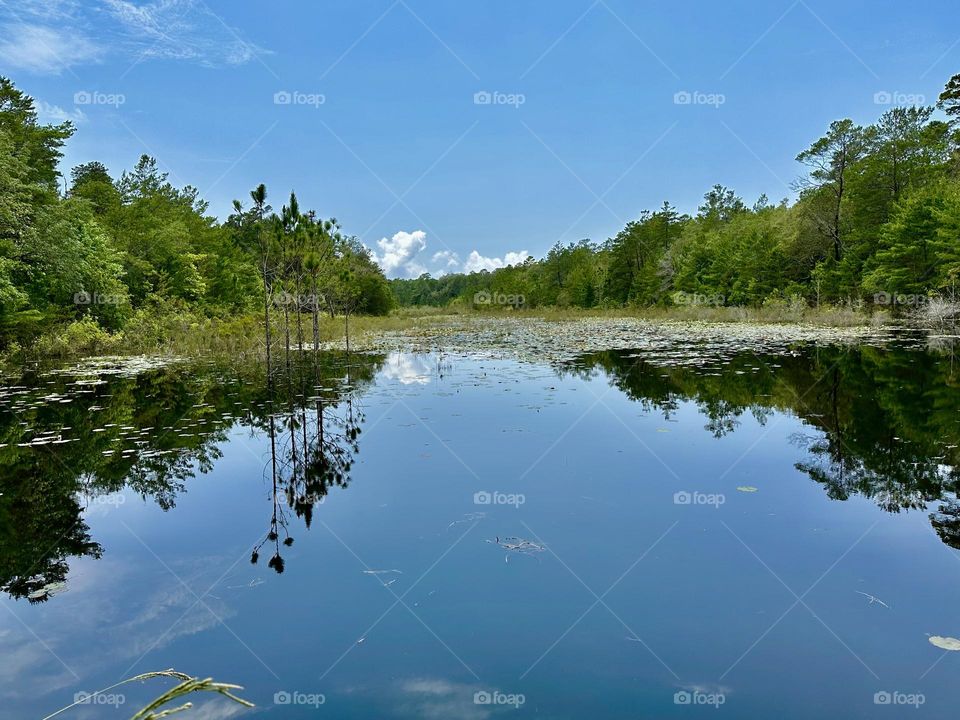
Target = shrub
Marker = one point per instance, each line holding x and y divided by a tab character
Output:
80	337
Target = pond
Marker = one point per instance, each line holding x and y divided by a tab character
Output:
467	535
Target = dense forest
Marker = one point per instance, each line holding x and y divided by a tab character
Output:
877	220
99	254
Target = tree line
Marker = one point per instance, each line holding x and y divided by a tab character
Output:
109	252
876	220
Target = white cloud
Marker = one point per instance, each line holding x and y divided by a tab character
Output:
477	262
46	50
447	258
403	255
415	269
408	368
437	698
218	709
398	253
56	114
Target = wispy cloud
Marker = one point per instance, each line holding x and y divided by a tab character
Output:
56	114
45	49
181	30
53	36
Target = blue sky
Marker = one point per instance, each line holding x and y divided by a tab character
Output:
581	128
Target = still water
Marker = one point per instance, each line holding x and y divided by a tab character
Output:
458	536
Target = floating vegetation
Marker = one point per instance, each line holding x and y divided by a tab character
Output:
113	365
256	582
874	600
946	643
469	517
518	546
660	342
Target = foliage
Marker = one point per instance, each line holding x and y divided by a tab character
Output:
877	215
110	254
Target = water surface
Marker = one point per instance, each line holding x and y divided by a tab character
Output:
414	535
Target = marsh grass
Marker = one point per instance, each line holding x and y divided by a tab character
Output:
825	316
155	709
187	334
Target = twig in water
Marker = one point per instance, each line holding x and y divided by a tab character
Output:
873	599
521	546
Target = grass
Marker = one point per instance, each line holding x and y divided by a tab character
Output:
184	333
156	709
826	316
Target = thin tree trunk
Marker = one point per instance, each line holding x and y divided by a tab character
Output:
299	319
286	332
316	319
266	310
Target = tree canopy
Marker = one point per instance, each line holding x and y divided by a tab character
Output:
104	249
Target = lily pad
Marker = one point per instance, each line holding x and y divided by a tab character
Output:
947	643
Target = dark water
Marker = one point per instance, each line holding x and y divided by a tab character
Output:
454	537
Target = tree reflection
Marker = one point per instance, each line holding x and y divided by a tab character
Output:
67	444
884	422
313	431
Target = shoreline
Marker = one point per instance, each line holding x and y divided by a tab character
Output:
522	332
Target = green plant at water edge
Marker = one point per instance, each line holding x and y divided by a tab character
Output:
155	709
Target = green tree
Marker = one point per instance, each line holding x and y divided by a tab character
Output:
829	160
39	147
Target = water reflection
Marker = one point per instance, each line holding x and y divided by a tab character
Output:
70	441
884	423
313	428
